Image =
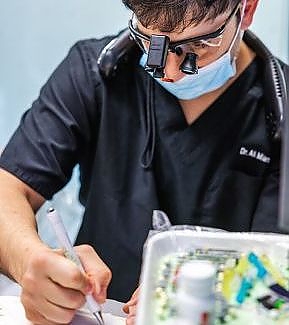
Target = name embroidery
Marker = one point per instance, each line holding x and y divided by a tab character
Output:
255	154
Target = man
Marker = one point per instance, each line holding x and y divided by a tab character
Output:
197	146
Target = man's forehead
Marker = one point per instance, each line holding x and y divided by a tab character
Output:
202	28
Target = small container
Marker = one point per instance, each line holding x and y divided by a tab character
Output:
195	296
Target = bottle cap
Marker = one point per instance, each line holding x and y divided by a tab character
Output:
197	278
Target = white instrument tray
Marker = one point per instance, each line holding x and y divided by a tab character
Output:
172	241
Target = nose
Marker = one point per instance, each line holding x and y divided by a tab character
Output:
172	68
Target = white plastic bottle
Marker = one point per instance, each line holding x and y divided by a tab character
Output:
195	297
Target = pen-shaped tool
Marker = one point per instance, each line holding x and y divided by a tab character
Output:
65	242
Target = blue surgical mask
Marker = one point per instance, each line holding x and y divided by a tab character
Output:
209	77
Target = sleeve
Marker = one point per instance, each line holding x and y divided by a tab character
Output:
54	132
265	218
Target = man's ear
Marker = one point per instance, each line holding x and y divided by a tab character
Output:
250	9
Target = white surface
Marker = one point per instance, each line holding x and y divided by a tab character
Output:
113	307
271	25
12	313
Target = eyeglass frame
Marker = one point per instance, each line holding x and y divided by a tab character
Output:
172	47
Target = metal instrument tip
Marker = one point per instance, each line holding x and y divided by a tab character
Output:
99	318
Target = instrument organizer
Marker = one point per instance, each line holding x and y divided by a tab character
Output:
252	280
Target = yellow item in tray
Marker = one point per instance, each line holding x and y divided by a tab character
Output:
243	265
228	277
274	272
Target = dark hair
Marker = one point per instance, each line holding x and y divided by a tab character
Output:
176	15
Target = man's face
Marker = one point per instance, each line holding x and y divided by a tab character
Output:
206	53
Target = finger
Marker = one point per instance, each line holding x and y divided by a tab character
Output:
45	313
65	297
57	314
130	320
59	251
66	273
99	290
136	293
98	272
47	288
133	300
50	264
130	303
132	311
130	307
125	308
36	318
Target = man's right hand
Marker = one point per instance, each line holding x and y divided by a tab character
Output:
53	287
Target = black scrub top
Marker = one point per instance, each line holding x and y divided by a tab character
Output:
221	171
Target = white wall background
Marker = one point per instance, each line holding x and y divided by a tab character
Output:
271	24
36	35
